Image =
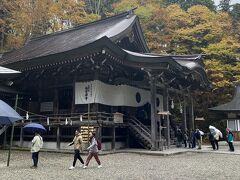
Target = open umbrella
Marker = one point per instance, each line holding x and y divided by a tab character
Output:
216	132
7	117
34	127
7	114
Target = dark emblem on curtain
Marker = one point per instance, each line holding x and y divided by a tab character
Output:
138	97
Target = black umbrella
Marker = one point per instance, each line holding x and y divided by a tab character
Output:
8	116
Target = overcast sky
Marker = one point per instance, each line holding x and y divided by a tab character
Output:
232	1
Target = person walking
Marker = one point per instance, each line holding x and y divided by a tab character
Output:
179	138
93	151
185	138
37	144
190	139
230	139
77	142
211	139
217	134
198	137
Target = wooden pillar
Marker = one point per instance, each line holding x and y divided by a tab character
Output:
21	128
166	117
153	113
127	138
192	125
12	133
21	136
73	92
184	114
55	101
100	133
113	137
58	138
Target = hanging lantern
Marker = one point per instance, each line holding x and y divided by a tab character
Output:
172	104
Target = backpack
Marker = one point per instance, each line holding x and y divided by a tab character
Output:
197	135
99	145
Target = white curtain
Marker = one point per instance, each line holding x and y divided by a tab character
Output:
121	95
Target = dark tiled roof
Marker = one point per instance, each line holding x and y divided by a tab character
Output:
233	105
115	28
190	63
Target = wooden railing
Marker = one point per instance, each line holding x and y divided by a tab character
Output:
68	119
143	131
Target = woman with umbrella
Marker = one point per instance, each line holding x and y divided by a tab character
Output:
217	134
37	144
37	141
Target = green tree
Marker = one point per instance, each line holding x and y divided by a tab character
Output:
227	50
224	5
235	13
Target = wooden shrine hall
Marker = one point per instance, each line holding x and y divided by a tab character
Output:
101	77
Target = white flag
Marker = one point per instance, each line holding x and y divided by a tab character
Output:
27	116
47	120
66	121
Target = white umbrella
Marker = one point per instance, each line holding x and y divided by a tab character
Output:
216	132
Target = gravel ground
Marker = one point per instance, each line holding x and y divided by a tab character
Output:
122	166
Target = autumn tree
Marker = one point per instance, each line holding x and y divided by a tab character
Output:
28	18
185	4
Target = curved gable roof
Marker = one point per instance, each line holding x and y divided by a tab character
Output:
233	105
115	28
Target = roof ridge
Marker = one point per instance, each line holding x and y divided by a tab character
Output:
126	13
